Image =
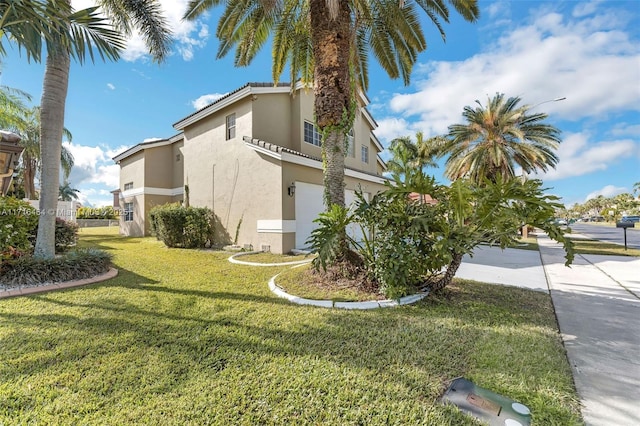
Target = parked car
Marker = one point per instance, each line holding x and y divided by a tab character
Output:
560	222
634	219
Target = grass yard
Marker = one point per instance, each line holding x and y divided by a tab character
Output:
599	247
185	337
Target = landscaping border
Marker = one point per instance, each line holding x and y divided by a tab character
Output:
233	259
25	291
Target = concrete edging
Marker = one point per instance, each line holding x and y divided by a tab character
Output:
370	304
233	259
25	291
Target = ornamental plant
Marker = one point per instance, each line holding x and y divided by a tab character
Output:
18	223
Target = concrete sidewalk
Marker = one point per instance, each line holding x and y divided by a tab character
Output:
597	303
598	310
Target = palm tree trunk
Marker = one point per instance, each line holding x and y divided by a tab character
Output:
331	38
54	95
448	276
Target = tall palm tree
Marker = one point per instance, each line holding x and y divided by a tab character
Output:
67	193
124	15
330	41
496	138
31	158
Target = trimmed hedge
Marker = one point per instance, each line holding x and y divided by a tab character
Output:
179	226
75	265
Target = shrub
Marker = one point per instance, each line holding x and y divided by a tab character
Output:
66	234
179	226
74	265
18	222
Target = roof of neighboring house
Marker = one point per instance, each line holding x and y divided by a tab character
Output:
426	198
277	149
146	145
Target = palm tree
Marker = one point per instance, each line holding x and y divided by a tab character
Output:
12	107
329	42
73	40
497	137
31	158
636	188
66	193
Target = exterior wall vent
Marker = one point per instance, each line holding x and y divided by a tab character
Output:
265	248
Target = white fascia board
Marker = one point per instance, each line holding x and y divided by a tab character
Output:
369	118
376	142
143	146
213	108
276	226
381	161
263	150
149	190
315	164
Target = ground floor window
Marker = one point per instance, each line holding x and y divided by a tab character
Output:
128	212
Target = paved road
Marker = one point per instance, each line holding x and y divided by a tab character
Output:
609	234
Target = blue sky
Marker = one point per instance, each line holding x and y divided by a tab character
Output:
586	51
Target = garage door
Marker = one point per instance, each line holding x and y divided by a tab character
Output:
309	204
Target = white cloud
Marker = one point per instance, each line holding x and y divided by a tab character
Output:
577	156
590	61
152	139
111	86
607	192
205	100
93	165
188	35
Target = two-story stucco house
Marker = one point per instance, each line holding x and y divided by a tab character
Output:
254	158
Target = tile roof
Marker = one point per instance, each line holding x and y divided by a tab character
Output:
280	149
233	92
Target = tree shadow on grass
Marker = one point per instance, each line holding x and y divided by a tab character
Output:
199	332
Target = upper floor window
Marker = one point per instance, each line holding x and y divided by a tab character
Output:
231	126
311	134
365	154
351	144
128	186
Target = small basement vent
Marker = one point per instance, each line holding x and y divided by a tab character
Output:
265	248
248	247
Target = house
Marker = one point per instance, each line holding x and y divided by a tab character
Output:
253	157
10	152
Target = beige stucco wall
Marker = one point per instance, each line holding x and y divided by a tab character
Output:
272	118
132	170
135	228
239	184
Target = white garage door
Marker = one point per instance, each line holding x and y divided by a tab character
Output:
309	204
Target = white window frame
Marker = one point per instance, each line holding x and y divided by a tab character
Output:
128	186
364	154
313	138
351	144
127	212
230	126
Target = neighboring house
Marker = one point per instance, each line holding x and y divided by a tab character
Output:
254	158
10	152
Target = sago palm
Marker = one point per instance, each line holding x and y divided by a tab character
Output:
498	137
329	42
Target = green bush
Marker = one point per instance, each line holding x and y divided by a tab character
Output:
18	222
179	226
66	234
74	265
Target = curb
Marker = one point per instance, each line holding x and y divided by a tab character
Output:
25	291
233	259
371	304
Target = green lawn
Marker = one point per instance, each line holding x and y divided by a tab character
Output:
185	337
